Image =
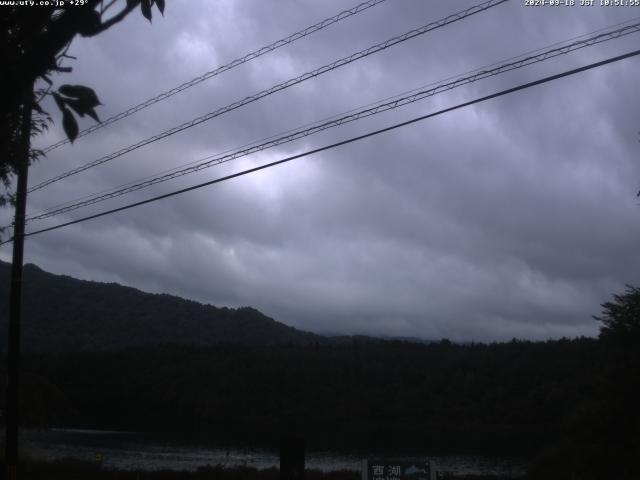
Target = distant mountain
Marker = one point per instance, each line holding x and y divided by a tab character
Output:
64	314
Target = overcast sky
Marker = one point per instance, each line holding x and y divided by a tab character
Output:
516	217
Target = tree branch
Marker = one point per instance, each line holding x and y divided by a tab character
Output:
118	17
104	9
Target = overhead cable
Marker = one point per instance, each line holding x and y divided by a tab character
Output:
338	144
223	68
281	86
334	116
351	117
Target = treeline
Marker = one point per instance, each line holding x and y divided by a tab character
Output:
508	398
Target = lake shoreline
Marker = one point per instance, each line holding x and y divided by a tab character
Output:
127	451
75	470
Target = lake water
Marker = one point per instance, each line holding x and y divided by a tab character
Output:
131	451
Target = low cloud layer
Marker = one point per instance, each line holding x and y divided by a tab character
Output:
516	217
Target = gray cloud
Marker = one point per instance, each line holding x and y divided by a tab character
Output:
512	218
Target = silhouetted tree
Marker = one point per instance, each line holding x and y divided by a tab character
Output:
34	41
621	319
613	432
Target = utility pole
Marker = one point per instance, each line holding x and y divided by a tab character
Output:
15	297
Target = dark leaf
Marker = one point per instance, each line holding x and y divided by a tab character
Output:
160	4
90	23
39	125
82	110
85	94
35	155
59	101
92	113
77	106
145	6
39	109
69	124
47	79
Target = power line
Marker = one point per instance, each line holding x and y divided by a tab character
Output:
303	132
117	188
234	63
343	142
281	86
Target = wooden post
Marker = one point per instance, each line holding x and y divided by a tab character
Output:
15	297
292	458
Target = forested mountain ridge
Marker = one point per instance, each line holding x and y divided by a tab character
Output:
64	314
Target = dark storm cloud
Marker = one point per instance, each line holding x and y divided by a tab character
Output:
512	218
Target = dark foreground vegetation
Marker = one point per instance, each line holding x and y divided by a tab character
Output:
70	470
506	399
565	405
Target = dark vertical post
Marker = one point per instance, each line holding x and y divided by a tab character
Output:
15	298
292	458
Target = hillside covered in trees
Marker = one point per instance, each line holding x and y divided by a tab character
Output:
64	314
